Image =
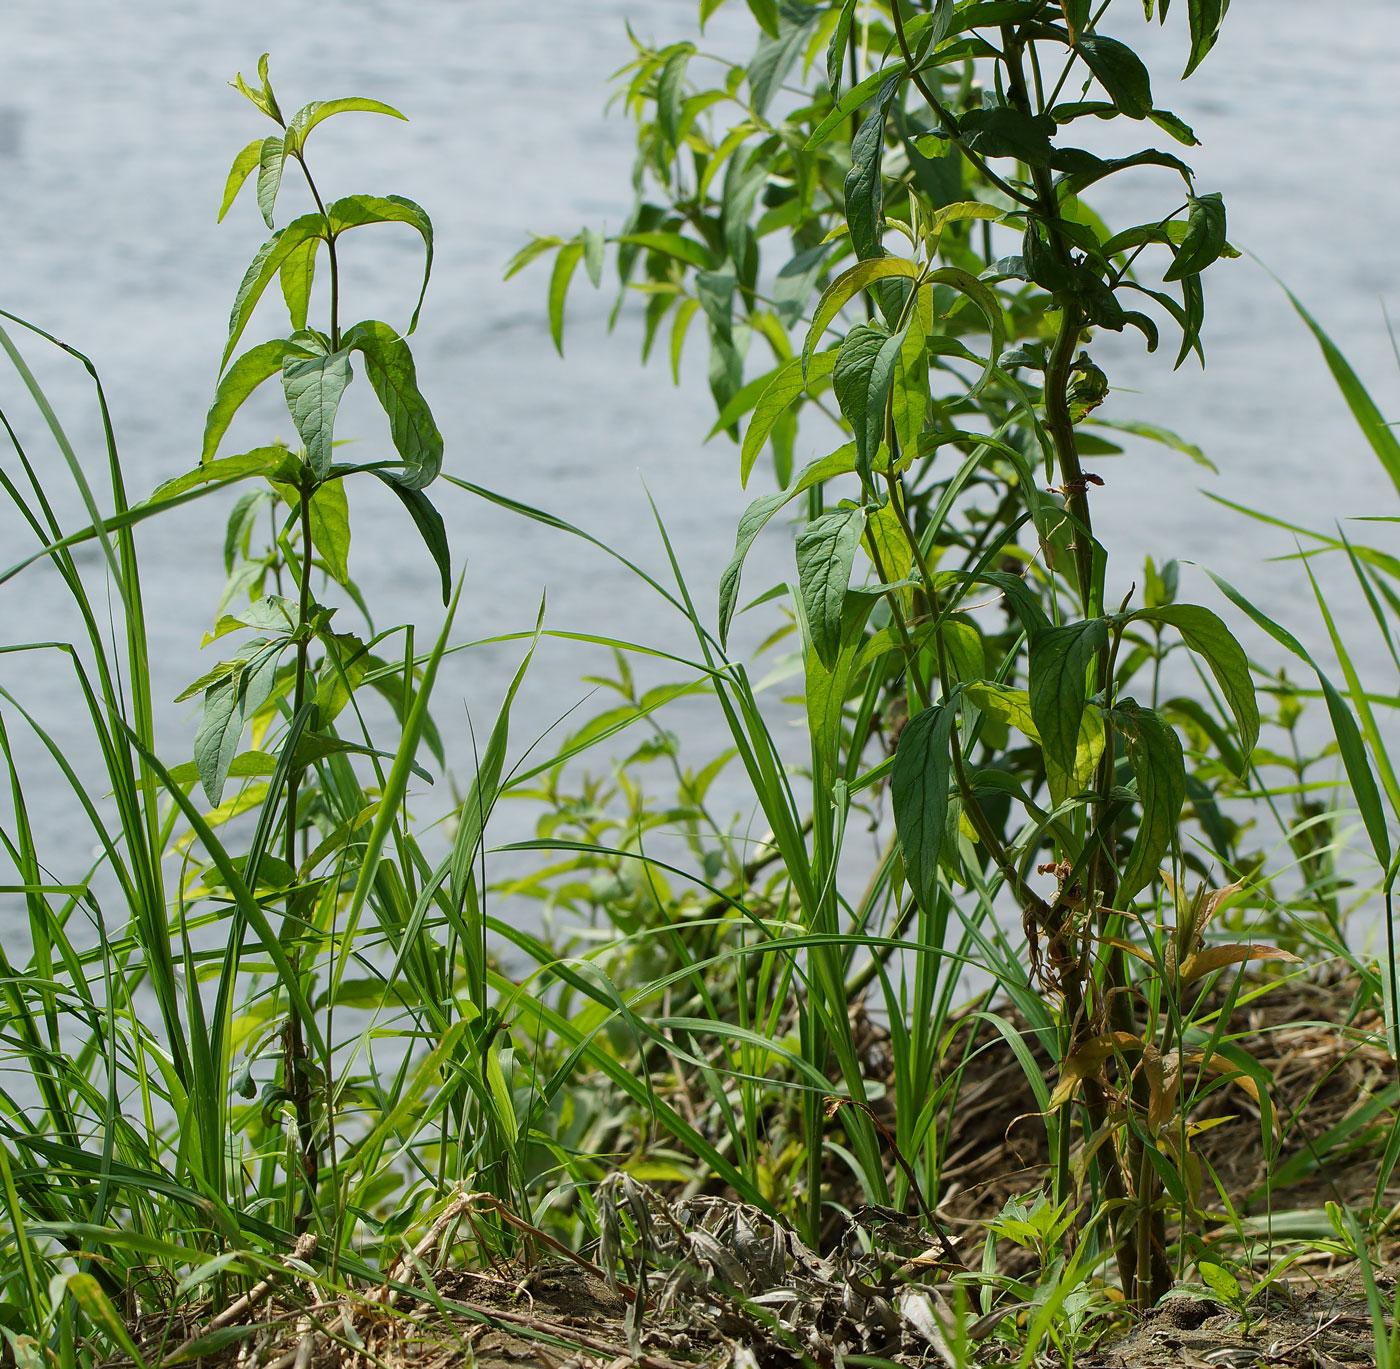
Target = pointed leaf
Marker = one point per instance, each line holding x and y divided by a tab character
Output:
861	380
863	190
836	48
430	527
308	116
270	162
1120	71
243	165
297	275
260	461
826	547
389	366
1206	17
238	382
673	245
778	49
785	385
1212	958
919	797
356	210
845	288
266	264
1060	658
313	387
1154	751
1204	240
564	266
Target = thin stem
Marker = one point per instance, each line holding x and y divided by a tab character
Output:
330	252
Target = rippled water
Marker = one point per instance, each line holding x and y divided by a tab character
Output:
116	130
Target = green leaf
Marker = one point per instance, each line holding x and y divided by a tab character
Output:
1000	131
1209	638
318	111
1120	71
778	48
227	705
1076	14
836	48
1222	1283
849	284
313	387
243	165
826	547
389	367
673	245
297	274
238	382
1363	408
1154	751
536	247
260	461
986	304
852	100
1060	658
919	796
669	90
330	528
265	264
263	98
1204	240
430	527
863	190
685	311
565	265
354	211
757	515
785	385
827	686
270	162
1206	17
861	379
593	255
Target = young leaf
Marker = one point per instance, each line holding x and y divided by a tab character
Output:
564	266
1204	240
238	382
826	547
313	387
227	705
1154	751
356	210
1208	637
845	288
1120	71
1060	658
669	87
389	366
430	527
919	796
243	165
308	116
864	194
593	256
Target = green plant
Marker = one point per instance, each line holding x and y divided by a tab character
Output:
963	384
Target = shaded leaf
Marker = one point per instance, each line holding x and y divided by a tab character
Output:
1060	658
430	527
313	387
1120	71
389	367
919	796
1204	240
826	547
1154	751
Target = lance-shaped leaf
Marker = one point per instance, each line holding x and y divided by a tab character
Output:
238	382
313	387
1206	17
1119	70
1209	638
826	547
836	48
430	527
297	275
1204	240
1014	706
675	245
864	194
828	686
986	304
271	159
756	516
1060	658
565	264
356	210
846	287
919	796
779	47
389	367
308	116
861	379
227	705
265	264
243	166
669	90
786	383
1154	751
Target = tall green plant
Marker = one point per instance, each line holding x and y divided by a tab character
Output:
888	199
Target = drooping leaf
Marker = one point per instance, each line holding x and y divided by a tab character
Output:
593	255
673	245
243	165
564	266
389	367
330	528
826	686
1204	240
840	113
785	385
778	48
861	380
430	527
1206	17
919	796
1060	658
1076	14
1209	638
318	111
1120	71
1000	131
757	515
297	275
354	211
864	193
227	706
1213	958
1154	751
270	162
826	547
313	386
845	288
266	264
238	382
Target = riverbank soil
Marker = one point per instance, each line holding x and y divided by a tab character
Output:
727	1285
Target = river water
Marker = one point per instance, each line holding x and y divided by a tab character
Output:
116	131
